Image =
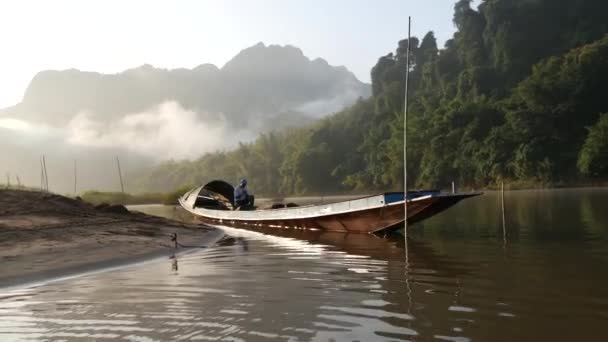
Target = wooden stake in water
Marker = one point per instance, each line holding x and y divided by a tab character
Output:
502	197
18	181
453	187
405	105
8	180
122	186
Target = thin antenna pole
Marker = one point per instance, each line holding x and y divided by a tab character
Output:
405	105
122	186
75	176
46	175
41	175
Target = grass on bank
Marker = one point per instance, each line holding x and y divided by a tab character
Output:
99	197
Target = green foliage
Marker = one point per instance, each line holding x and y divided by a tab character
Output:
510	96
552	108
593	159
170	198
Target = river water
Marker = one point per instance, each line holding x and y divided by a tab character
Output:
464	276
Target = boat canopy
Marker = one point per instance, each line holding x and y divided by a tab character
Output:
221	188
217	194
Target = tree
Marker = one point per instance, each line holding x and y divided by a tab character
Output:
593	158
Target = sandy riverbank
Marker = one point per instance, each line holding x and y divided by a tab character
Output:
45	236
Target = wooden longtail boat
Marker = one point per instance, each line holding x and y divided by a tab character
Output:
213	203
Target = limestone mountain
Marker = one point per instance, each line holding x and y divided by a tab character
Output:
259	85
147	114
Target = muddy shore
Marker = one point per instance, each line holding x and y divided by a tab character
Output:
45	236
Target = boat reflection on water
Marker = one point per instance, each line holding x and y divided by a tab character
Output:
389	247
415	282
400	258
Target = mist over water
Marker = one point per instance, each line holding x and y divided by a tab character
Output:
167	131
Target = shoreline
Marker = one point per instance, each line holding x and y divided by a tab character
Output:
509	186
46	237
84	269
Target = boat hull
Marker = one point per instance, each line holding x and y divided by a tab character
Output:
371	215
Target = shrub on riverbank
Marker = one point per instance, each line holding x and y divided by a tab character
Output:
99	197
171	198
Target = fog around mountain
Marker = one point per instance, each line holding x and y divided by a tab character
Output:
147	114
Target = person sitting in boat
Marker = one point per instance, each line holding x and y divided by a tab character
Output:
242	199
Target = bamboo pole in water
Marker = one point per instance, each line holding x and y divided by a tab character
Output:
405	105
405	109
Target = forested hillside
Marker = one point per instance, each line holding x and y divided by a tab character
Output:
518	94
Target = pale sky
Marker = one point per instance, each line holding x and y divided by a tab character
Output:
110	36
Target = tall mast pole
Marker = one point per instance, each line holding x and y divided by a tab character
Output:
405	105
